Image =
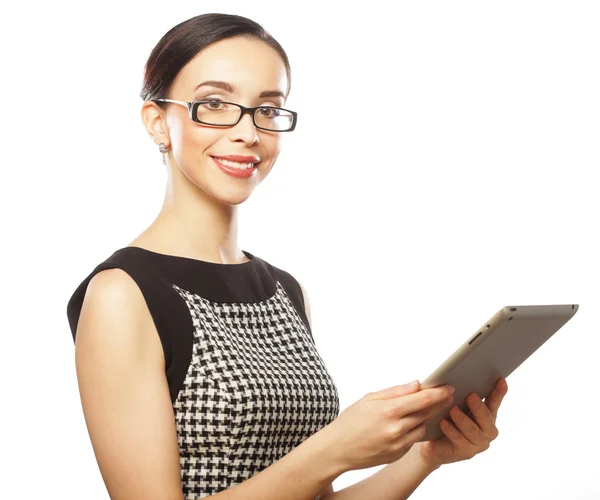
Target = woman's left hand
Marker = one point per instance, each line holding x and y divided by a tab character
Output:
465	437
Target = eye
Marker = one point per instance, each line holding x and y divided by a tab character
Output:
213	104
269	112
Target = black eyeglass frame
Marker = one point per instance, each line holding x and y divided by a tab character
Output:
193	107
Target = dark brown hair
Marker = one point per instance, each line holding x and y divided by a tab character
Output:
183	42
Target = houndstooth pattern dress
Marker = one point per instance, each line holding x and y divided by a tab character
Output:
246	381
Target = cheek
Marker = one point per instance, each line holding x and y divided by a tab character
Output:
272	147
193	143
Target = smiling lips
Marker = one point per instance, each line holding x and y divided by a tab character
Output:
235	168
239	158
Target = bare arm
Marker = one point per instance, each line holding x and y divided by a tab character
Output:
395	481
129	415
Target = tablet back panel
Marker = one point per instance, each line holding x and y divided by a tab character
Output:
512	335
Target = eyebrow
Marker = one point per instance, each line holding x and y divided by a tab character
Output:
229	88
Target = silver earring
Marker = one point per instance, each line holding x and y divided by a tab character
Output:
162	148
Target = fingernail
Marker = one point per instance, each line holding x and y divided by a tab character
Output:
413	384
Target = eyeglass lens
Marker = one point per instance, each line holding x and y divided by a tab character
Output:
220	113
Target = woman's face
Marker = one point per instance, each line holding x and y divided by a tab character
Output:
247	68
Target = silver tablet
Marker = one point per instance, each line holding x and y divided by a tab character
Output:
497	348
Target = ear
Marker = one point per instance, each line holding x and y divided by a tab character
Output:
154	120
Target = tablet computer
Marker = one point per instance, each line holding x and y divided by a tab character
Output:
495	350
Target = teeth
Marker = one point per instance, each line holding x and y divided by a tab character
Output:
235	164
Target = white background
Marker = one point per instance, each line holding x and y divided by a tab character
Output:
473	184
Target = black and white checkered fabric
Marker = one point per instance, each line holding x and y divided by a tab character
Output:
256	388
246	380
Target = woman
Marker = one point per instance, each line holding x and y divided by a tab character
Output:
195	360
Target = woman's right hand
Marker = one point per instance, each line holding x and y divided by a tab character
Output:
382	426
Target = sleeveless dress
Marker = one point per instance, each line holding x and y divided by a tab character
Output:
246	381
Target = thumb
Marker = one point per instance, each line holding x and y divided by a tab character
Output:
397	390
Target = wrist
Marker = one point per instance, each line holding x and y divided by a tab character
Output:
331	451
419	457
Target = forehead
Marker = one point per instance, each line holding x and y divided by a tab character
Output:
250	65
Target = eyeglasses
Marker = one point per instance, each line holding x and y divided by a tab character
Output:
227	114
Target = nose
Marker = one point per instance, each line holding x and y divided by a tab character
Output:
244	130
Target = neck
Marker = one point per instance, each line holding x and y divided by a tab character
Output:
191	224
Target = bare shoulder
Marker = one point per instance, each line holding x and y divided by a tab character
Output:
124	390
115	291
114	287
113	297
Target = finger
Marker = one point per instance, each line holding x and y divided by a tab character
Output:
411	437
395	391
430	412
426	415
470	429
482	416
409	423
425	398
456	437
494	398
